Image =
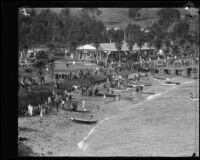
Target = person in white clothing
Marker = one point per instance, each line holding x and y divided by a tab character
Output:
41	111
30	110
83	105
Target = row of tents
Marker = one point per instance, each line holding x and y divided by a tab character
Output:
103	49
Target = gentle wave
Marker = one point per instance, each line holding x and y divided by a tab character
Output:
188	82
83	145
159	94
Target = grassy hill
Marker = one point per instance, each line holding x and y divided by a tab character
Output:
118	17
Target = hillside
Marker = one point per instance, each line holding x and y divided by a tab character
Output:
118	17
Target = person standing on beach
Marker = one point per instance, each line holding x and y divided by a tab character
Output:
57	101
83	105
137	90
30	109
141	90
107	90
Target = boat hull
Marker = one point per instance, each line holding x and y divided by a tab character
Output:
83	121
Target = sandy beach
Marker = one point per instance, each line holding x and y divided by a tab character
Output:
163	124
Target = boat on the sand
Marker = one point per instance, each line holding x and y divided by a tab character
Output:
146	92
146	84
165	84
135	85
78	120
170	82
194	99
107	95
84	111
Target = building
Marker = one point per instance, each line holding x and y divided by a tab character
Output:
109	50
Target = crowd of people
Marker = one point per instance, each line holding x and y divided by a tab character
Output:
26	83
79	74
181	62
55	100
64	99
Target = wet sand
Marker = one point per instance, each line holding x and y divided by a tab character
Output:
163	125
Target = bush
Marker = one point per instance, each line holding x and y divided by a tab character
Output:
24	150
34	98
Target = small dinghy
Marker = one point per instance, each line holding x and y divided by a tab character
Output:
194	99
161	78
78	120
83	111
118	89
146	92
169	82
165	84
146	84
135	85
110	95
107	95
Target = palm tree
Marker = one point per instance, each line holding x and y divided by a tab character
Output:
25	49
167	43
51	59
140	39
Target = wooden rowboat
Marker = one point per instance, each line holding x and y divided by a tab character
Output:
195	99
145	92
78	120
169	82
165	84
107	95
146	84
84	111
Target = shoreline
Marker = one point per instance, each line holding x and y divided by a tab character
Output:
70	132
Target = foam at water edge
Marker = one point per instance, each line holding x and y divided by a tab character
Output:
83	146
188	82
153	96
159	94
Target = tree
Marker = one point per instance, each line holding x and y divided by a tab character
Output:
97	32
180	29
167	16
92	12
39	67
139	39
24	27
25	49
51	59
167	44
129	36
132	12
149	39
119	42
157	43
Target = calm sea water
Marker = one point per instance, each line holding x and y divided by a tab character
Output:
164	124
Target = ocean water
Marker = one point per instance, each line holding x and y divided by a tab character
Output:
163	124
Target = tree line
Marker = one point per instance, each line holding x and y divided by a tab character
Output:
50	27
169	32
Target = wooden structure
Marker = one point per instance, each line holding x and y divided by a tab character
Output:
184	71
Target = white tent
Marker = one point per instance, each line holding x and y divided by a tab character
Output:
86	47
